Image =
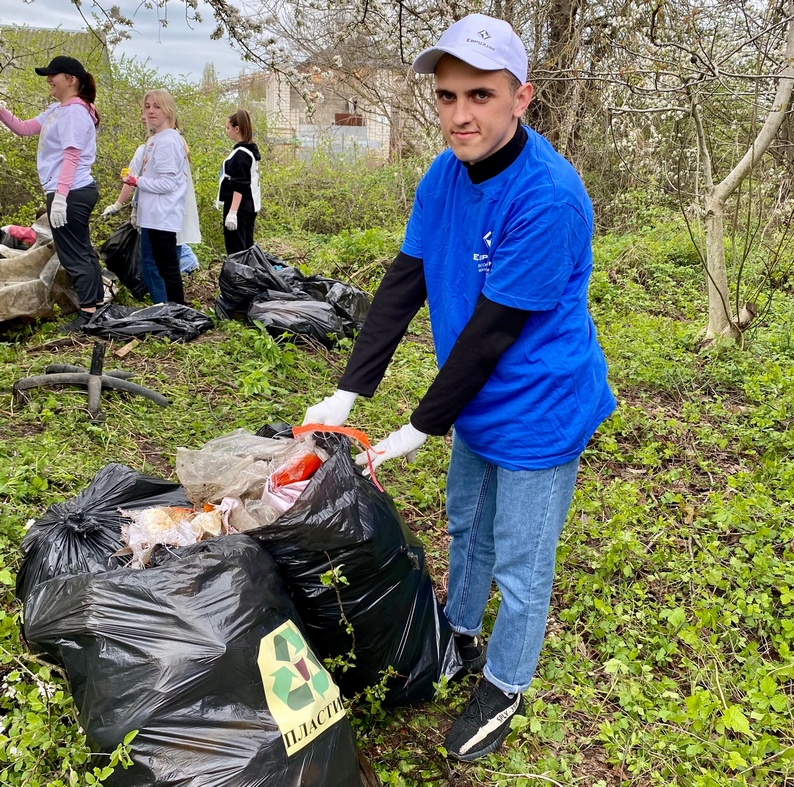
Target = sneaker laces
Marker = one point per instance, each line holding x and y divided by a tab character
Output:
484	701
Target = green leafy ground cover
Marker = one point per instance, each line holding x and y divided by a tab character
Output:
669	651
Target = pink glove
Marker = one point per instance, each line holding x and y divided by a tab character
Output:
130	180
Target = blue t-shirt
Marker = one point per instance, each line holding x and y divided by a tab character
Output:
522	239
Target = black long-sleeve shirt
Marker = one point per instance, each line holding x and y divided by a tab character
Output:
237	170
490	331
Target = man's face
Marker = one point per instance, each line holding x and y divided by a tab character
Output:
477	109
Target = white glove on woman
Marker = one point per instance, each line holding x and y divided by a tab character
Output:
231	221
403	442
111	209
58	211
333	410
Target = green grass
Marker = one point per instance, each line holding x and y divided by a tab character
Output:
668	658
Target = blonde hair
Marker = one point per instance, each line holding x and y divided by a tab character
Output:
166	102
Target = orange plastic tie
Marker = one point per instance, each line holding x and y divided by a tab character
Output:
355	434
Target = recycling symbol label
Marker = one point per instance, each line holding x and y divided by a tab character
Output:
300	693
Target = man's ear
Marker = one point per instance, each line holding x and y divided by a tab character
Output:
523	99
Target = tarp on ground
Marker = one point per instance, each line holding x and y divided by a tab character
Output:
33	283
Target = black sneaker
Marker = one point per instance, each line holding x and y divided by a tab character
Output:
471	651
484	723
76	325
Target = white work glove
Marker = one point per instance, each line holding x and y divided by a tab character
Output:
404	442
58	211
134	217
231	221
333	410
111	209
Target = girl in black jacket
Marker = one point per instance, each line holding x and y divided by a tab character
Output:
238	190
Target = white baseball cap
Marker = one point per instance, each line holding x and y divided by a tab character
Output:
481	41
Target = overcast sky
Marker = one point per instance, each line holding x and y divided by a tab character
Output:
176	49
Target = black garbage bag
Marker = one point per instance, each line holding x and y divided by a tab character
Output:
80	535
342	521
294	279
299	318
122	255
165	320
349	302
252	277
206	657
245	275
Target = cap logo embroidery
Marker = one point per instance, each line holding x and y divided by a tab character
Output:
484	34
481	43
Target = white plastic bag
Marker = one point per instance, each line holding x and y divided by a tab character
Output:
233	471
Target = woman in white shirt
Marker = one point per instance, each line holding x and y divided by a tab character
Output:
162	186
67	149
151	278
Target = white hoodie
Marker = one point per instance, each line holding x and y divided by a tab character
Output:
163	182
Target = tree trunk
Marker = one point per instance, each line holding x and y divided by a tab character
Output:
721	322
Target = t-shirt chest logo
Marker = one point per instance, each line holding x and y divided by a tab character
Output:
481	258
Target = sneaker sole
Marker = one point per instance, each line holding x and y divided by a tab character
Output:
475	755
491	747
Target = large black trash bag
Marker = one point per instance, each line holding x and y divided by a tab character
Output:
294	279
80	535
252	277
299	318
350	303
122	255
164	320
206	657
245	275
343	521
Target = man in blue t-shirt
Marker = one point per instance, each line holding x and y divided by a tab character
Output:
499	245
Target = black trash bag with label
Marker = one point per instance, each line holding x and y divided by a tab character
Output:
343	522
205	656
122	255
298	318
80	535
245	275
173	321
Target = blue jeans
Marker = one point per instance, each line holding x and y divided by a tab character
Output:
504	525
151	276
